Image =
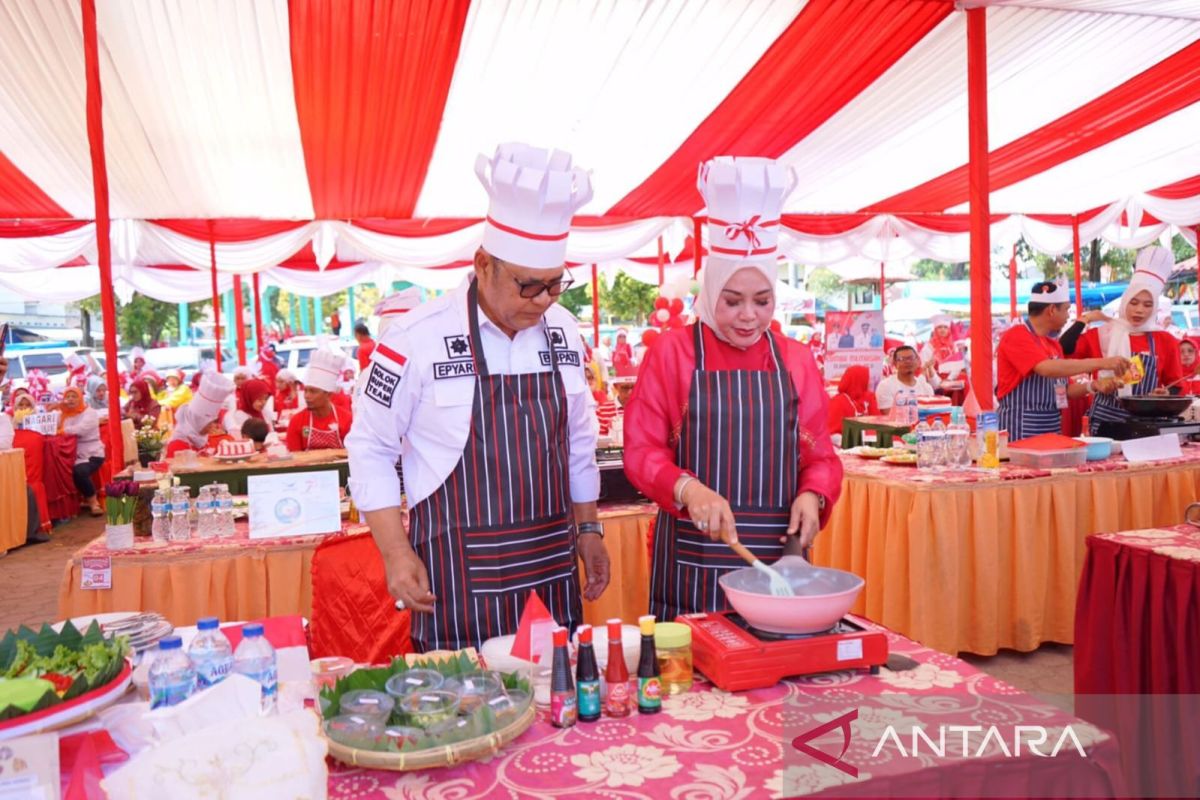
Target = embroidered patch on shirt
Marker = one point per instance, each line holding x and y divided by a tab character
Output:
381	385
386	354
564	357
453	369
457	346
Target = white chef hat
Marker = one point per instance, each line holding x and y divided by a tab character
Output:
324	370
392	307
745	198
207	401
136	352
1051	296
534	195
937	320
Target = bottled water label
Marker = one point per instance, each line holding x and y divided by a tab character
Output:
159	508
266	679
214	670
169	694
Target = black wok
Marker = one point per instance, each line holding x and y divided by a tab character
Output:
1155	405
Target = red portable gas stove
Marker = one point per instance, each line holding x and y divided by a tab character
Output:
735	656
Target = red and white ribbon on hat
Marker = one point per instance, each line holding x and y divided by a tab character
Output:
749	230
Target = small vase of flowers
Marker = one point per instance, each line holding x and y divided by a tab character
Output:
120	504
149	444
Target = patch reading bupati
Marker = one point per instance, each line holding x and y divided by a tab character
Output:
381	385
457	346
564	357
453	369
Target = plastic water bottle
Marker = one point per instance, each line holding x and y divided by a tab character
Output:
255	658
172	679
958	454
225	499
160	526
210	653
923	445
181	526
204	513
937	445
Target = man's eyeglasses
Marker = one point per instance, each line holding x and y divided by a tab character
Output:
532	289
905	359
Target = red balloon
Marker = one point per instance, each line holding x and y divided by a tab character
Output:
661	302
676	306
648	337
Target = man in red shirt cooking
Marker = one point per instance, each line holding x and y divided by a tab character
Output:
321	425
366	345
1032	372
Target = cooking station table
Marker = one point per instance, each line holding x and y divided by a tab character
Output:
976	561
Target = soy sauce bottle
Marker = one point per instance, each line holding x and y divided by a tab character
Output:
649	699
587	678
562	688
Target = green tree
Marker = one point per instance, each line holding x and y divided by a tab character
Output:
629	300
825	284
928	269
1182	250
577	298
142	321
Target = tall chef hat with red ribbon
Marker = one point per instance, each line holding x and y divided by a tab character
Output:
744	198
395	306
534	196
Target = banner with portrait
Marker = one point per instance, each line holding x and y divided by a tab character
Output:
854	337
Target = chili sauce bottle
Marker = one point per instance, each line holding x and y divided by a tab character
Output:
562	688
587	678
616	674
649	698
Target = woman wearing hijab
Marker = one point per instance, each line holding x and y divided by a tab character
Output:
268	367
940	348
726	429
1191	369
622	355
253	402
854	399
287	394
1135	332
142	408
97	393
21	405
82	422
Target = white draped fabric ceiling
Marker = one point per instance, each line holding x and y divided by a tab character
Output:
326	154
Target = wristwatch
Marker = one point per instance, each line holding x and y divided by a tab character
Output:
589	527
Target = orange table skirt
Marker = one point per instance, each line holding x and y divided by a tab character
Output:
14	506
983	566
274	577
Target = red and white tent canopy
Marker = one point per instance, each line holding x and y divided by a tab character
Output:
331	141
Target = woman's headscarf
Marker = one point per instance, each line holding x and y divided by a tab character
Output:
145	405
66	413
942	345
17	404
94	384
855	384
1196	347
716	273
267	366
1153	265
249	392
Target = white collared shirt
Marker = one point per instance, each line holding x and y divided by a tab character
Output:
414	401
890	389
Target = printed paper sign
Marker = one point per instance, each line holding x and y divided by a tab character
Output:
294	504
96	572
853	337
29	768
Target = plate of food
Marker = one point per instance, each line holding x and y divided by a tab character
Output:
901	459
873	452
52	678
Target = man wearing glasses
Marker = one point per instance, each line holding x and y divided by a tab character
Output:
907	381
482	395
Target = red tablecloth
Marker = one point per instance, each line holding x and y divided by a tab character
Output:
709	744
61	495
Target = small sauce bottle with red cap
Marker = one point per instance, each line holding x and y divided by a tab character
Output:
562	688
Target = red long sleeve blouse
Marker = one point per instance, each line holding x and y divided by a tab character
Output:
655	413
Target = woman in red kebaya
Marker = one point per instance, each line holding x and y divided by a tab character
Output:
727	432
287	391
854	398
1191	369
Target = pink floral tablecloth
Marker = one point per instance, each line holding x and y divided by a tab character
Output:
148	548
712	744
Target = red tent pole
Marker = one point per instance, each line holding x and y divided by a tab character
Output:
1012	283
662	263
1078	266
696	245
981	267
595	307
108	303
258	328
882	288
212	260
238	322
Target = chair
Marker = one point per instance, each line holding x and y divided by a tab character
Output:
353	615
33	443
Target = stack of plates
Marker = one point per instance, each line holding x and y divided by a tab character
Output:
143	629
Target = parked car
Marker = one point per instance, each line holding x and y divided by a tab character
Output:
294	354
188	358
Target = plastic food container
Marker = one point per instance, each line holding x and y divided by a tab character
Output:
673	646
430	708
1048	459
326	671
1098	447
368	703
507	707
354	730
399	734
415	680
474	689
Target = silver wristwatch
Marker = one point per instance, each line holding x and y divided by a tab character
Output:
589	527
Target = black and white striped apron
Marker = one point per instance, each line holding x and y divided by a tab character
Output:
500	524
1105	407
740	437
1031	409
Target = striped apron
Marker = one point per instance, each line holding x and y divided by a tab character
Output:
1105	407
500	524
1030	409
739	436
323	439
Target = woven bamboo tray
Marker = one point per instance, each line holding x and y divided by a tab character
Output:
433	757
